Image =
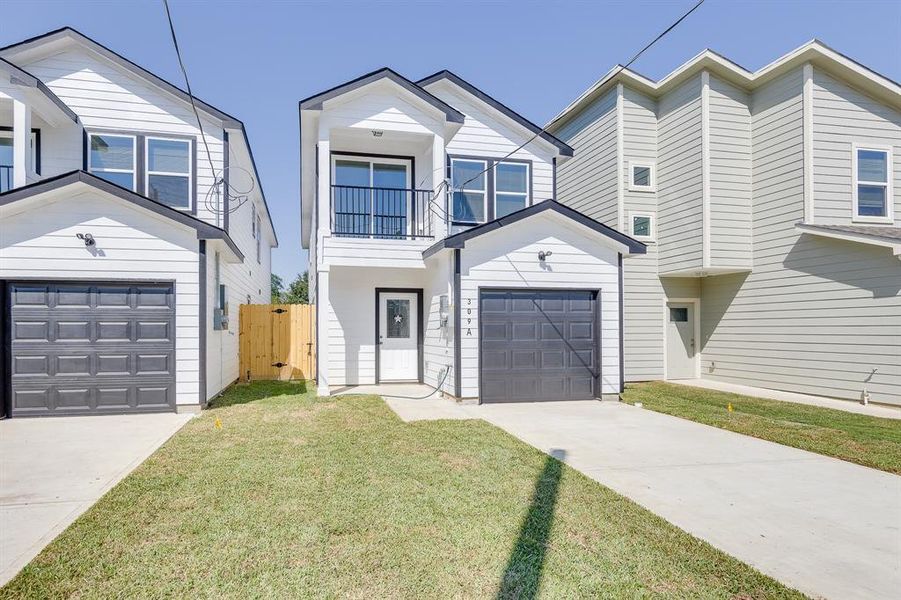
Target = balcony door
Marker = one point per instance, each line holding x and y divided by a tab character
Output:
371	196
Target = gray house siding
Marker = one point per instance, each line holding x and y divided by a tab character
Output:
815	316
843	116
587	181
730	176
679	179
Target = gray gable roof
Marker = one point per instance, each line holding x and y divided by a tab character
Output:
876	232
205	231
564	148
315	102
228	121
459	240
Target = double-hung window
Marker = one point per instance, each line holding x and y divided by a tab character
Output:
511	187
484	189
168	171
469	181
114	158
158	167
872	184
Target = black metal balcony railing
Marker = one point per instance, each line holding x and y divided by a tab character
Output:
6	178
387	213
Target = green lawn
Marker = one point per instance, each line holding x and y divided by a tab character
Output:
296	496
865	440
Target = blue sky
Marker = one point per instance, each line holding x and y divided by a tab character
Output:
256	59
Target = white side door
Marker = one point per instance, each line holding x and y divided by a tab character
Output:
680	341
398	336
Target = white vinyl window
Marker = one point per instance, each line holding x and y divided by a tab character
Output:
642	226
469	180
511	188
169	177
642	177
113	157
872	193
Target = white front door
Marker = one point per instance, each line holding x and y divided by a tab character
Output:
398	336
680	341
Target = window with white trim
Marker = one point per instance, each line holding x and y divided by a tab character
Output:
642	225
642	177
168	171
872	184
114	158
511	187
469	181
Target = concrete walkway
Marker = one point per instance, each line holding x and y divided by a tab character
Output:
873	410
54	469
823	526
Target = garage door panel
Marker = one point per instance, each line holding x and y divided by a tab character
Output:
92	348
548	350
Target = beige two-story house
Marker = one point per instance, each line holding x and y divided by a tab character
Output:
770	204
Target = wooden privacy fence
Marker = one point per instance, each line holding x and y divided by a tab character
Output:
277	341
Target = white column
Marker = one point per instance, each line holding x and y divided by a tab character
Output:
21	143
437	211
322	353
324	168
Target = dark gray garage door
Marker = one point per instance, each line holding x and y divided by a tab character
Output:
538	345
91	348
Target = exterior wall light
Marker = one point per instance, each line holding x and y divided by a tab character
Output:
87	238
542	255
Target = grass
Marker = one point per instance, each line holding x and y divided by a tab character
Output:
869	441
296	496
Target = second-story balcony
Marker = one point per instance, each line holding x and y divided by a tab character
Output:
381	212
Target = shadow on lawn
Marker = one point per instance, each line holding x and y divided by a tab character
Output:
522	575
244	393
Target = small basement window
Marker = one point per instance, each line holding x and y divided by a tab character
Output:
872	185
642	177
641	226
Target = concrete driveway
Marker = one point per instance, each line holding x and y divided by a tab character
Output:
53	469
826	527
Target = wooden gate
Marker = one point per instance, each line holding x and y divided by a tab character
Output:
277	341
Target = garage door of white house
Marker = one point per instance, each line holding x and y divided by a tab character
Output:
538	345
91	347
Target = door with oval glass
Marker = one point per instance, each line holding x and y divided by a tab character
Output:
398	336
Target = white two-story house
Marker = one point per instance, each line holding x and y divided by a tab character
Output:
437	251
128	237
770	202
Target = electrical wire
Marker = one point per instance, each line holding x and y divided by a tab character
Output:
218	177
559	117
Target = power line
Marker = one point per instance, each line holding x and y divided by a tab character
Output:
188	86
557	118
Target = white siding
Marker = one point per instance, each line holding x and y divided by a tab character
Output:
730	176
587	182
679	178
843	116
438	343
351	319
38	241
484	134
508	258
105	96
